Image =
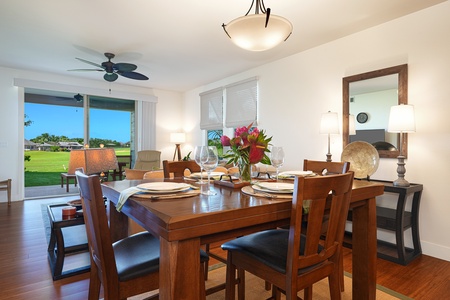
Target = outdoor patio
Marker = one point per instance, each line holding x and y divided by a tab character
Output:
50	191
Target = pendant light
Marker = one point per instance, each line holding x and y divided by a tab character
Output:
259	31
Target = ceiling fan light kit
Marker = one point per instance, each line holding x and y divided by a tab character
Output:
114	70
258	32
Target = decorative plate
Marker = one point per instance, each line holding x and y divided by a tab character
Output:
363	158
362	117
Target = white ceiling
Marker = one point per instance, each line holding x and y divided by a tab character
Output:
178	44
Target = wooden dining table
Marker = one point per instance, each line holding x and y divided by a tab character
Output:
184	224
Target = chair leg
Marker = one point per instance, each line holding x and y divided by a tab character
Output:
206	269
202	280
241	284
230	286
335	286
341	270
308	293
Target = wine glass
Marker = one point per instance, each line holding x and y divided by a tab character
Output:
277	158
209	160
197	157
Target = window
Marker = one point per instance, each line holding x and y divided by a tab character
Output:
241	103
241	110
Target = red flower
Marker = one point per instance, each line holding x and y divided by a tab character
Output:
249	145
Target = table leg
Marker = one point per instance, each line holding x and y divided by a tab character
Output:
364	251
179	267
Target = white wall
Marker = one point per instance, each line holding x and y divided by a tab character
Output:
296	90
168	111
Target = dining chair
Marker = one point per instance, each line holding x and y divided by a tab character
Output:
288	259
327	168
127	267
134	174
154	174
332	167
148	160
178	168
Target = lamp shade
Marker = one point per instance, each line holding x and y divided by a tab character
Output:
177	137
329	124
93	160
251	33
401	119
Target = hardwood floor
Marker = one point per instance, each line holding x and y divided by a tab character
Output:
25	272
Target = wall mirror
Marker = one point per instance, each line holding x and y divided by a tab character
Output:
367	99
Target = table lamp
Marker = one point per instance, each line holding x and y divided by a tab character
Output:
329	124
177	138
93	160
401	120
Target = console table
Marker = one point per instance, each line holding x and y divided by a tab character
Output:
398	220
60	244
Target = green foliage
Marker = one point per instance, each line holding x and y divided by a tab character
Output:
54	148
187	157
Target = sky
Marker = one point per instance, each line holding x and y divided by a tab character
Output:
68	121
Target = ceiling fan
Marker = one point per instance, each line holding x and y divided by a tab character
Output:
113	70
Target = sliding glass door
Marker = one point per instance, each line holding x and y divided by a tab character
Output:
56	124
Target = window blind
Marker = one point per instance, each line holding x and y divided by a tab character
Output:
241	103
211	109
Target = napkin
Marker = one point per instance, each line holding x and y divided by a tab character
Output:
125	194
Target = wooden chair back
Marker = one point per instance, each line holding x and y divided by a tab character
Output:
177	168
103	260
97	229
331	167
328	195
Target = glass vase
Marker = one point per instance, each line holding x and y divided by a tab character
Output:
245	172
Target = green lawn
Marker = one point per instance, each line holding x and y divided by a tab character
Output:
44	168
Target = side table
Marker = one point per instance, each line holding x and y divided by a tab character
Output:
398	220
67	177
57	249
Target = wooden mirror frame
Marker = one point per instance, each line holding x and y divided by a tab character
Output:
402	71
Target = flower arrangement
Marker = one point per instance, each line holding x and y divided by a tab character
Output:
248	146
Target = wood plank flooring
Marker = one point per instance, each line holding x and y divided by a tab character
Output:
25	272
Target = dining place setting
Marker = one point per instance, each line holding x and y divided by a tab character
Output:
158	191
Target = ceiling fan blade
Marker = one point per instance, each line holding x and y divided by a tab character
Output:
133	75
110	77
124	67
83	70
89	62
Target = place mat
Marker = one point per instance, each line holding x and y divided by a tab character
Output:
248	190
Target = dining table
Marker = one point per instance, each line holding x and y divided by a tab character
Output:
184	224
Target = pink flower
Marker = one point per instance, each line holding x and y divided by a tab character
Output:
225	140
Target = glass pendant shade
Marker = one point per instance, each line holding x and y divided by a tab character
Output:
249	32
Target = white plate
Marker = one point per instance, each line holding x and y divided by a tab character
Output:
274	187
205	174
296	173
164	187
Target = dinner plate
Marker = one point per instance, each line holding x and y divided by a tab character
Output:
296	173
205	174
164	187
274	187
